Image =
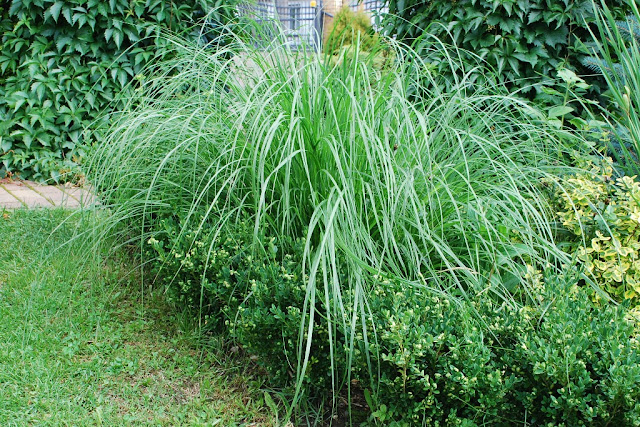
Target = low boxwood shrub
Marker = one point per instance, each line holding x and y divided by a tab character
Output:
62	62
441	361
486	363
254	294
198	273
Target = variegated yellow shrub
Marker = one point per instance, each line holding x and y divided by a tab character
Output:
604	212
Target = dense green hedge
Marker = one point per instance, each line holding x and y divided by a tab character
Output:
63	61
436	361
565	363
521	39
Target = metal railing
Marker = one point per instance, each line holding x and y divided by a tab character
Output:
368	5
375	8
298	22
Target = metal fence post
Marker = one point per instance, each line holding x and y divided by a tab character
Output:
319	34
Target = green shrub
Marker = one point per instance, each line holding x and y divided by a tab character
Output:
604	214
62	62
252	294
519	39
200	272
441	361
349	28
565	363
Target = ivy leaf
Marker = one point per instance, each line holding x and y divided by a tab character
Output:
91	99
553	38
508	25
122	78
62	42
26	138
117	37
55	10
531	58
534	16
108	33
80	19
67	15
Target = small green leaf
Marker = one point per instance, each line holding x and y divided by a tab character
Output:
568	76
67	15
560	111
272	405
55	10
117	37
369	399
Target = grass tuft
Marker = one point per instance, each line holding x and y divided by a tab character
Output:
379	171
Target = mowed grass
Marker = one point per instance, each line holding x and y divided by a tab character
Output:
79	345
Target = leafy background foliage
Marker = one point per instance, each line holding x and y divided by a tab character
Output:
521	39
617	59
63	61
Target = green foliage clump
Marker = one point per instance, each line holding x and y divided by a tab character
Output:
350	28
255	294
62	62
197	273
268	325
565	363
519	39
441	361
626	32
604	213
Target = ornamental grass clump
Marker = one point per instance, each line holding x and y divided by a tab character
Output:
437	191
617	48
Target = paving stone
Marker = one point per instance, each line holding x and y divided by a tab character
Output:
8	201
16	194
34	200
84	197
29	197
56	196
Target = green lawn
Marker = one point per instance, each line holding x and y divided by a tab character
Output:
78	346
